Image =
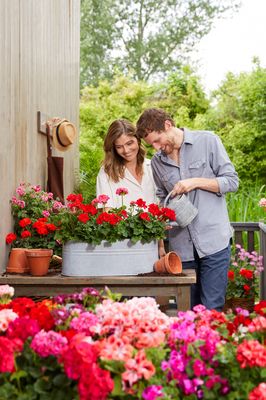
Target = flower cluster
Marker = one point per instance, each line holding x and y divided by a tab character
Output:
262	203
110	350
33	210
92	223
243	273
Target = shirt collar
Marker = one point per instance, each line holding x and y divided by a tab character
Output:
188	136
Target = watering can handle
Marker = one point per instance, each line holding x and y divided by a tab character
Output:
171	223
168	197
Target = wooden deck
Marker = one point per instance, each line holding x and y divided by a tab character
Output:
54	284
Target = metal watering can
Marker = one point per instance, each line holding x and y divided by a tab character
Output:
185	211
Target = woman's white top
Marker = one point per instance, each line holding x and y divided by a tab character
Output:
146	190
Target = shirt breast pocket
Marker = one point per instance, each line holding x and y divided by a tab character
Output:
197	168
169	181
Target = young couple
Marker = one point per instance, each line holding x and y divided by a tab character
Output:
190	162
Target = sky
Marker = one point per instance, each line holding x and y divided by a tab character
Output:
232	44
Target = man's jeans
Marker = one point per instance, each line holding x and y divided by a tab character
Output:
211	283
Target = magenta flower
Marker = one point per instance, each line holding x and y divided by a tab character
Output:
48	343
152	392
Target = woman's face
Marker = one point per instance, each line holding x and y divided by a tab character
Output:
127	147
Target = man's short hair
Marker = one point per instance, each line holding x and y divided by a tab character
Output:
152	119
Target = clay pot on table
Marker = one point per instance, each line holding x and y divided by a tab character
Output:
39	261
171	263
17	263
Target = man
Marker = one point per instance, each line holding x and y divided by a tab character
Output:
195	163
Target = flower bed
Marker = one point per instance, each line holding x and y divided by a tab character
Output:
90	346
243	274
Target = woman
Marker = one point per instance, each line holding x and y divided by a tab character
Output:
125	166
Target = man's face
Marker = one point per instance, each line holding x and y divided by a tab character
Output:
163	140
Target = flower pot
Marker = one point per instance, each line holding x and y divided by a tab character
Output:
39	261
242	302
17	263
108	259
170	263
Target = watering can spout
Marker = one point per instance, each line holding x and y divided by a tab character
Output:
185	211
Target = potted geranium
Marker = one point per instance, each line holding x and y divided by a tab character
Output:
243	278
113	242
32	210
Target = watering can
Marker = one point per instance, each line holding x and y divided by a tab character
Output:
185	211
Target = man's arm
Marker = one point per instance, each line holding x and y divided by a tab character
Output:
226	178
186	185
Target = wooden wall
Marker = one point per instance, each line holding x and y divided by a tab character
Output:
39	70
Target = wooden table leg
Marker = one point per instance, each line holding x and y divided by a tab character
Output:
183	298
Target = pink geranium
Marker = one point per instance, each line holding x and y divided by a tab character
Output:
259	393
6	316
103	199
137	368
251	353
48	343
84	322
121	191
6	292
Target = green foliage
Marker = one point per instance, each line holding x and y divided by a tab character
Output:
141	38
36	378
241	122
243	205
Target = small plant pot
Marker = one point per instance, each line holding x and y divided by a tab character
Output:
240	302
159	266
170	263
39	261
17	263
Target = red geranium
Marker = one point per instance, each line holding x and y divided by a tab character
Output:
86	223
10	238
231	275
24	222
83	218
25	234
145	216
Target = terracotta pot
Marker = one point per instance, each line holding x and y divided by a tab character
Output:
170	263
39	261
159	266
17	263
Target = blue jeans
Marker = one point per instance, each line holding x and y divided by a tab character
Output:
211	272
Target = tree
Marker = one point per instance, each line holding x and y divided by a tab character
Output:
145	37
241	121
96	40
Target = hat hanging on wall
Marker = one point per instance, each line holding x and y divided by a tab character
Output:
64	134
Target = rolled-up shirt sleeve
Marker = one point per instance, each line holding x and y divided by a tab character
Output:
223	168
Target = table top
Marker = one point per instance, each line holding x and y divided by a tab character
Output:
187	277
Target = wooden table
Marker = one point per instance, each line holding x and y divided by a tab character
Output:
54	284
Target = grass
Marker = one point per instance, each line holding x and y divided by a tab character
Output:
243	205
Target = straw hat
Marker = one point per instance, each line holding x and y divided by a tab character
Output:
64	134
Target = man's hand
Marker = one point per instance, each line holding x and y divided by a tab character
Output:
185	186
